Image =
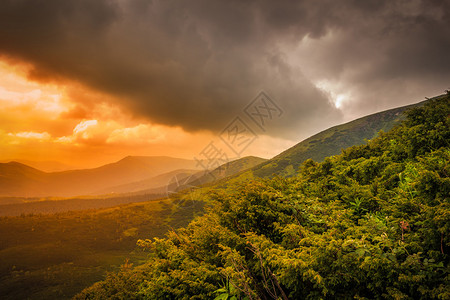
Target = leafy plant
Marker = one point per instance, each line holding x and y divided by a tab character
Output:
228	292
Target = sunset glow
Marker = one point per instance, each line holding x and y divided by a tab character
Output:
88	83
40	122
46	122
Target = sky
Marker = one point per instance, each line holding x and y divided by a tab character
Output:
89	82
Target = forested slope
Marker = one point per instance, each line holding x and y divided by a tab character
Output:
331	141
371	223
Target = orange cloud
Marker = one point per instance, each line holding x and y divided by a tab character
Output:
142	134
83	128
31	135
74	125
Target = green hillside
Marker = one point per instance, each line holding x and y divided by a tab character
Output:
330	142
370	223
56	256
232	168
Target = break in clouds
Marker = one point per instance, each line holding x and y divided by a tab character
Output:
197	64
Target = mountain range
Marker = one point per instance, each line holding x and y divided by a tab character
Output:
20	180
131	175
331	142
46	166
153	174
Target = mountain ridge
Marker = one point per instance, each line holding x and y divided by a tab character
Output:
20	180
331	141
132	169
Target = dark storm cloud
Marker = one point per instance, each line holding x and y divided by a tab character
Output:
388	54
198	63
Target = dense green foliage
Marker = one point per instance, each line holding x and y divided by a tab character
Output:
371	223
56	256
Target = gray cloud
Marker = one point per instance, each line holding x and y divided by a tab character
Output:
393	55
197	64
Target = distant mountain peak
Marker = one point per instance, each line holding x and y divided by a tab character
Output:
18	179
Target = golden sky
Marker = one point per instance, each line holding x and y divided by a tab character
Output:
68	123
88	82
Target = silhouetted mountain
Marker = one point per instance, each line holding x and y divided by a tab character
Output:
46	166
20	180
150	183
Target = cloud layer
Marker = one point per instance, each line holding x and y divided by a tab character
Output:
197	64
